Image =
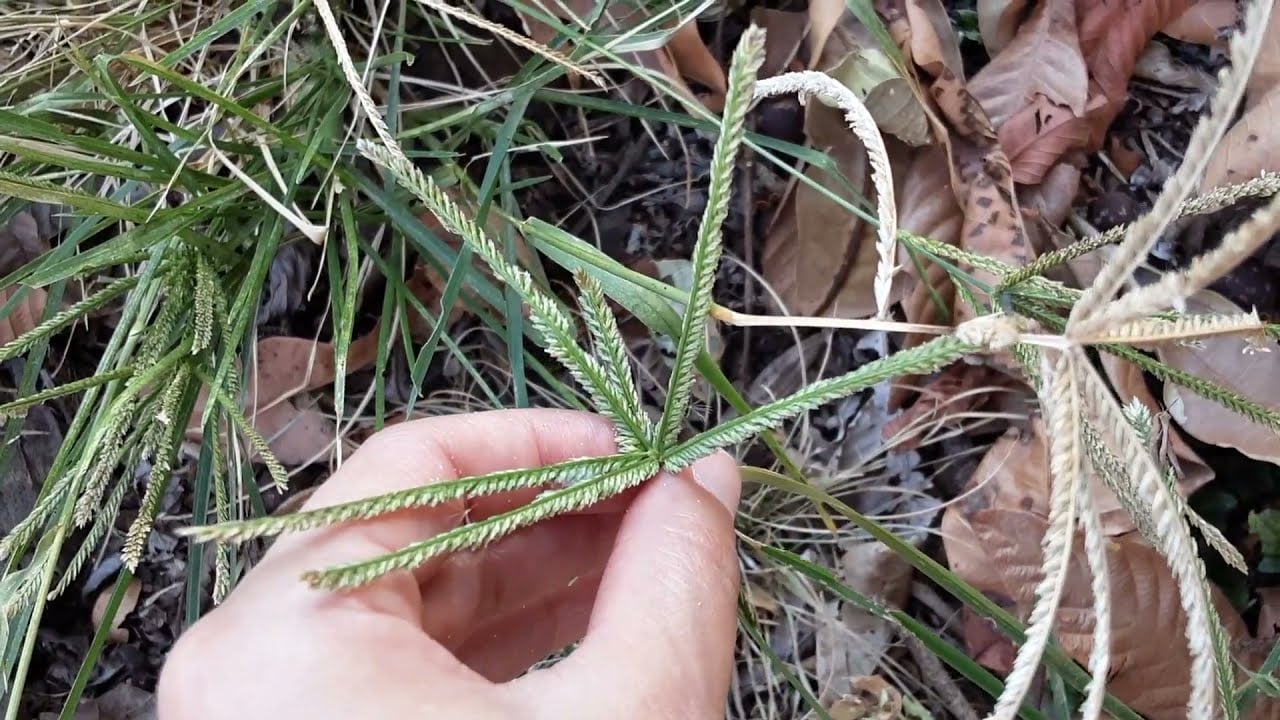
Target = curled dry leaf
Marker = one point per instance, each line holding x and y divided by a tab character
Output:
132	592
824	17
1206	22
1232	363
20	243
1112	37
934	46
998	22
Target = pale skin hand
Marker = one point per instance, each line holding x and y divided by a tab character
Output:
648	582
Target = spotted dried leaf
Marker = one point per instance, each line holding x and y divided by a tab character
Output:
1250	147
1044	59
1038	136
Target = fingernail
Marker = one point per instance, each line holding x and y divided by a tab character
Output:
718	474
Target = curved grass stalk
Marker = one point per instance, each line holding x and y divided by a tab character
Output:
829	91
24	342
1171	536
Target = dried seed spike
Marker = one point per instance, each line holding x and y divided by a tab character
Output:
829	91
1061	398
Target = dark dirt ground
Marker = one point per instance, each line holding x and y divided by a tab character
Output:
648	201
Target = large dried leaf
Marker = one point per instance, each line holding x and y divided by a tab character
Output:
998	22
785	32
1251	146
982	179
1113	36
1043	59
1229	362
25	315
1150	664
814	244
1206	22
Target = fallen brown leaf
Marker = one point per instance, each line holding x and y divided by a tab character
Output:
132	592
934	46
998	22
1150	664
1112	37
20	243
1228	362
785	32
1043	59
1206	22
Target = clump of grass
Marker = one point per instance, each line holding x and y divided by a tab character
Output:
264	152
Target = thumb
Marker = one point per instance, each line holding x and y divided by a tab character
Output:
661	636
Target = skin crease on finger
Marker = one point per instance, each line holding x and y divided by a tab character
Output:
487	615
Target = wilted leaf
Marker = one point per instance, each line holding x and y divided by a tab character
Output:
1227	362
1206	22
998	22
694	60
1043	59
132	592
1112	38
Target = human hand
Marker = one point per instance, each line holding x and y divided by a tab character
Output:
647	580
